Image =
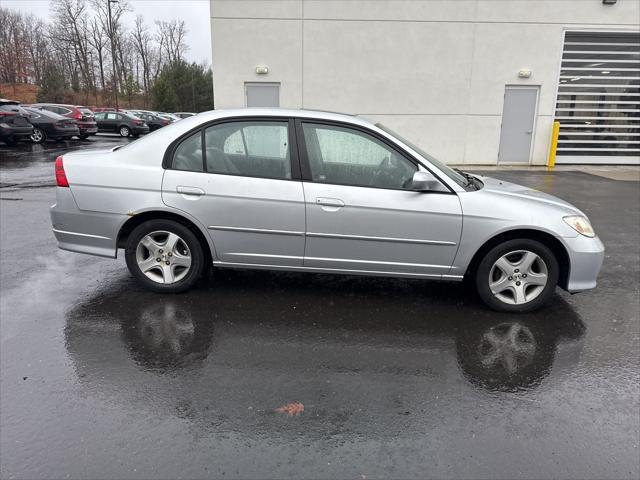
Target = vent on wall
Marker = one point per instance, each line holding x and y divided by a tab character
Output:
598	104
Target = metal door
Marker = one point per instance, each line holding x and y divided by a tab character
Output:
360	222
518	120
263	95
251	219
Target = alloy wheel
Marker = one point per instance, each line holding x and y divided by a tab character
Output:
37	136
518	277
163	257
124	132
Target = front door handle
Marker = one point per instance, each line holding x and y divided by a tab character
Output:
330	202
190	191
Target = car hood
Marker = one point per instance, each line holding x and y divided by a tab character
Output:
508	189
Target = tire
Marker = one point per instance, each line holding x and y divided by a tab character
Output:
38	136
124	131
517	276
10	140
148	242
83	137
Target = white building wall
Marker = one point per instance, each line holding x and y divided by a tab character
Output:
433	70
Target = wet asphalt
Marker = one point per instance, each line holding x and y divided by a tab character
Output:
397	378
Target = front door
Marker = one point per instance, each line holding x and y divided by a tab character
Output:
362	215
236	179
518	121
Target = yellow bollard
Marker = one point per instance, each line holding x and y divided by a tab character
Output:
551	162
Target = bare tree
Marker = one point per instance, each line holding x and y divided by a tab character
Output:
171	36
98	42
142	43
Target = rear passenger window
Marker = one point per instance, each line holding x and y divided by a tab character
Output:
250	149
188	154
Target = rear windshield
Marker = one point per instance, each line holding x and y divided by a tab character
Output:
86	111
9	108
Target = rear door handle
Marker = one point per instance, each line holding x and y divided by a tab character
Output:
190	191
330	202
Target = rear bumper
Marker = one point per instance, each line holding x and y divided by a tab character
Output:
585	256
139	130
64	132
82	231
88	128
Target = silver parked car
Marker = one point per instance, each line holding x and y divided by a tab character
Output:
315	192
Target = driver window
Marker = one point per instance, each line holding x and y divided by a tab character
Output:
346	156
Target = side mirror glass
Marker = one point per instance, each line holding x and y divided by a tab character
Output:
425	182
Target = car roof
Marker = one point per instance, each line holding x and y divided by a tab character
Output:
4	101
45	113
56	104
283	112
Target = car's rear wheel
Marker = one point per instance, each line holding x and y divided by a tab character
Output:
165	256
125	131
38	135
517	276
83	137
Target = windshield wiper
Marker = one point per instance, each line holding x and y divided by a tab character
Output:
471	180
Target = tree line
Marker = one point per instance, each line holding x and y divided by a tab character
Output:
85	53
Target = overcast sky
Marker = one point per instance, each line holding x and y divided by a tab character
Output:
195	14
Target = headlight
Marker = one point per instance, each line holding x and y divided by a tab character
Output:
580	224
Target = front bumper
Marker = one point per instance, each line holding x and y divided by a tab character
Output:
585	257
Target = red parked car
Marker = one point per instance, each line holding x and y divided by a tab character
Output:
82	115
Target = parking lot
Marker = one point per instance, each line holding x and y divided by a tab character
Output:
397	378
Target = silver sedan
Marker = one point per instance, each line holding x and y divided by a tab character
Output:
315	192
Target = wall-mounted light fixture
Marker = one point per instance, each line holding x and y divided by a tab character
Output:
262	69
609	2
524	73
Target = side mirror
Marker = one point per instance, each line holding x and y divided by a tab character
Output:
425	182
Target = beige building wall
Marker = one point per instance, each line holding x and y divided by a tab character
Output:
433	70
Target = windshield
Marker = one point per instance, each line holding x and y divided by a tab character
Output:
448	171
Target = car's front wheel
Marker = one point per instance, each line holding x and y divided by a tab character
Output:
517	276
125	131
165	256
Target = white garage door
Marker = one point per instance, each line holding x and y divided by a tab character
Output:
598	104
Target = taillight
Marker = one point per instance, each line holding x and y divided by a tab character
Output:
138	122
77	115
61	177
165	122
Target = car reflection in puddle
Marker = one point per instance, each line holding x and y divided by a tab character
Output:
261	339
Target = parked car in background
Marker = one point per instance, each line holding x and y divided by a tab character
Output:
119	122
155	122
50	125
14	122
313	191
184	114
82	115
102	109
168	116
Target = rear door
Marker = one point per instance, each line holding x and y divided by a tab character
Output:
361	213
241	179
